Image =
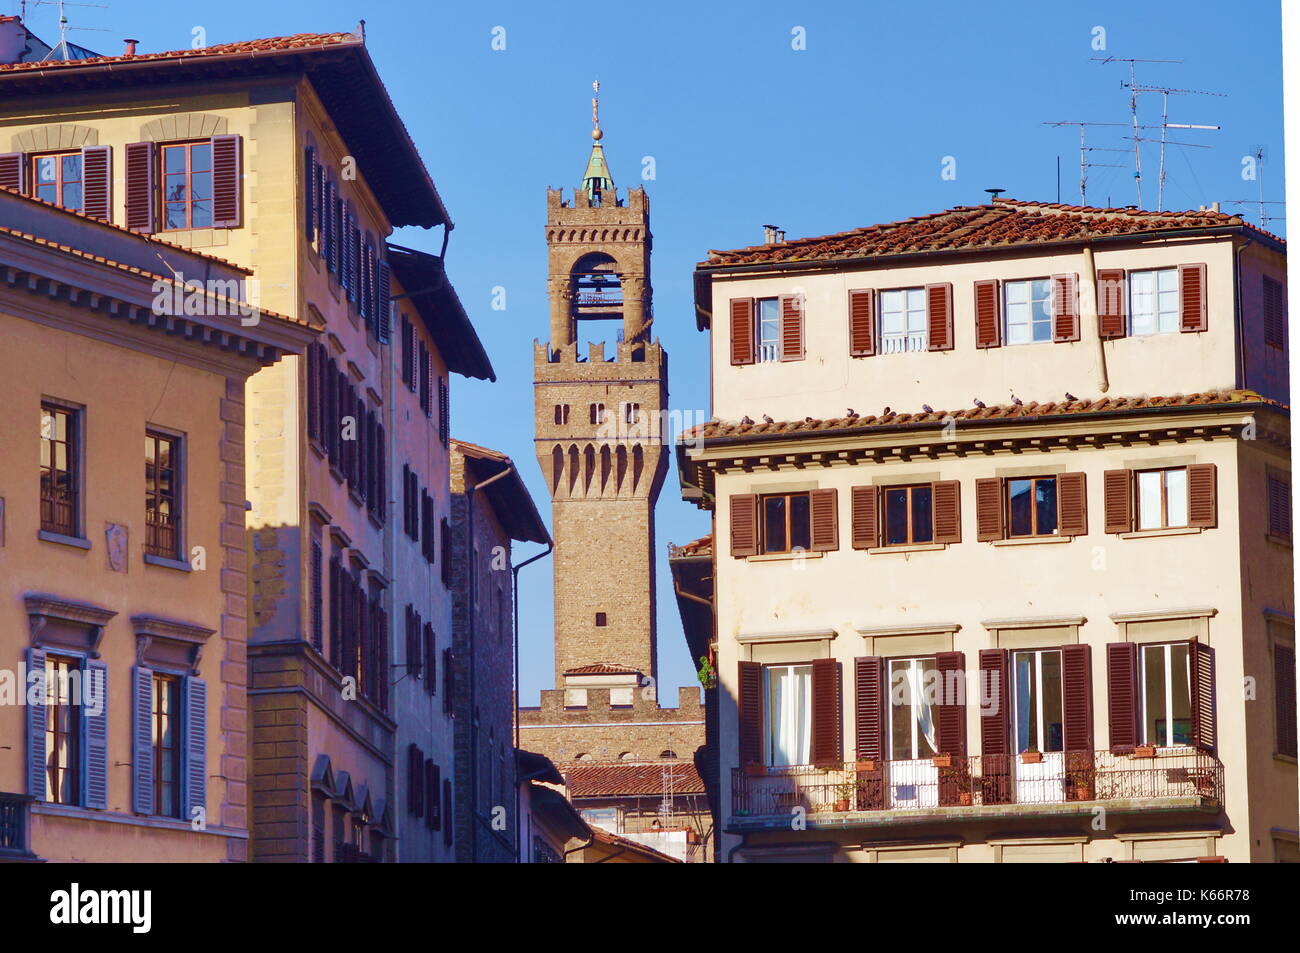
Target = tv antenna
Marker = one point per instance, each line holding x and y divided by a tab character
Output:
60	50
1084	149
1133	108
1259	153
1166	125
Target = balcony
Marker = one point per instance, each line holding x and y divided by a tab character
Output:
887	793
15	827
352	854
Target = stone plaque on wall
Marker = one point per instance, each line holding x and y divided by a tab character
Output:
115	544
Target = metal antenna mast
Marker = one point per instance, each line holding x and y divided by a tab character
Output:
60	50
1260	153
1166	125
1084	149
1133	108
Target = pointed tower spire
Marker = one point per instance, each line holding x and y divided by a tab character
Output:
596	179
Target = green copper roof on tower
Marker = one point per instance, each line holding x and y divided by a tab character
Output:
596	179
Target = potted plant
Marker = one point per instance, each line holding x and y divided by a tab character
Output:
869	765
707	674
1031	756
755	770
844	792
1144	751
942	761
692	837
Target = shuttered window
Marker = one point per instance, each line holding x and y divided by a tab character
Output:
743	512
869	707
187	185
444	411
1031	504
904	319
1027	311
827	745
987	325
445	536
1193	306
1176	695
13	170
768	329
1112	300
140	187
425	378
938	307
429	641
1065	308
1274	295
1279	505
911	709
908	514
866	517
1029	507
1153	306
742	330
408	346
786	522
1284	683
63	738
792	316
750	687
1122	695
788	714
1173	497
1118	487
995	725
317	596
56	177
862	323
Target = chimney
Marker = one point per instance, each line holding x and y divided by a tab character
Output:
13	39
130	47
772	234
1214	206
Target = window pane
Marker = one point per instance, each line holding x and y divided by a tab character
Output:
1042	311
71	198
922	515
917	320
891	312
47	168
1053	720
174	159
175	216
1181	677
895	517
201	185
1045	505
72	167
1021	507
1149	516
800	522
900	710
774	524
1026	703
1176	496
201	157
1153	695
924	671
202	215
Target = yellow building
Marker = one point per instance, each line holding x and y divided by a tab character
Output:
123	574
286	156
1001	561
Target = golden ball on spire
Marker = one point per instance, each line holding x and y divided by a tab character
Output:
597	134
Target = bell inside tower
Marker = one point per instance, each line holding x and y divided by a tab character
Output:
597	291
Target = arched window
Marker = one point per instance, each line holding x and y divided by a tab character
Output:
667	754
627	756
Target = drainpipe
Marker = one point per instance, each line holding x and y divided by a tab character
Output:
1094	318
514	611
1242	365
470	590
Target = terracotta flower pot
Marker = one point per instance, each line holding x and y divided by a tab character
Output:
842	805
869	764
964	798
755	770
1031	757
943	761
1144	751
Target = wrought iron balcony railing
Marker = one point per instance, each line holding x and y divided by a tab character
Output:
15	826
975	781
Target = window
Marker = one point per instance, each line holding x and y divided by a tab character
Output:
1166	694
60	477
162	495
1153	301
668	754
62	730
1274	313
600	619
57	179
903	321
1279	505
909	514
912	727
1284	697
1031	506
1038	721
631	413
768	329
561	413
1162	498
1028	310
187	185
597	414
787	522
787	729
165	735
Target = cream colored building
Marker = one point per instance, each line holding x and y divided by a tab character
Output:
1002	560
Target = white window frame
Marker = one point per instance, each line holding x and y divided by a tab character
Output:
1154	319
792	715
1028	305
913	332
767	347
1168	648
1040	707
1162	473
916	677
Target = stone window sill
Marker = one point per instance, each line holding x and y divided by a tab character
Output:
178	564
79	542
784	557
1175	531
916	548
1032	540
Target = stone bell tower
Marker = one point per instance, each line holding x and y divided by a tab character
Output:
598	426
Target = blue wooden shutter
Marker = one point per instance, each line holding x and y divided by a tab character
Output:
383	301
142	739
196	746
96	673
36	731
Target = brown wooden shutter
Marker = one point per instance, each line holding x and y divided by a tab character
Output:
139	186
750	688
96	182
1279	506
827	716
995	725
1112	302
1284	698
1202	502
988	509
226	175
1065	308
1122	695
862	323
824	505
792	308
744	524
869	707
1203	700
1191	283
950	718
1118	487
1072	504
938	312
987	330
13	168
742	330
1076	694
865	517
947	511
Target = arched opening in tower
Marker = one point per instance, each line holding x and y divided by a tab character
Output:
596	294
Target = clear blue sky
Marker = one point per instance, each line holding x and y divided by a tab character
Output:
745	130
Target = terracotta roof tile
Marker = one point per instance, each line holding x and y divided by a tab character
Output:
266	45
601	668
1006	222
630	778
1031	410
696	547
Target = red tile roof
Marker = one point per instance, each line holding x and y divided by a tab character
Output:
1006	222
601	668
630	778
624	843
696	547
1032	410
268	45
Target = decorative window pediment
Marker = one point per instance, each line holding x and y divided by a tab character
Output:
57	623
168	644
